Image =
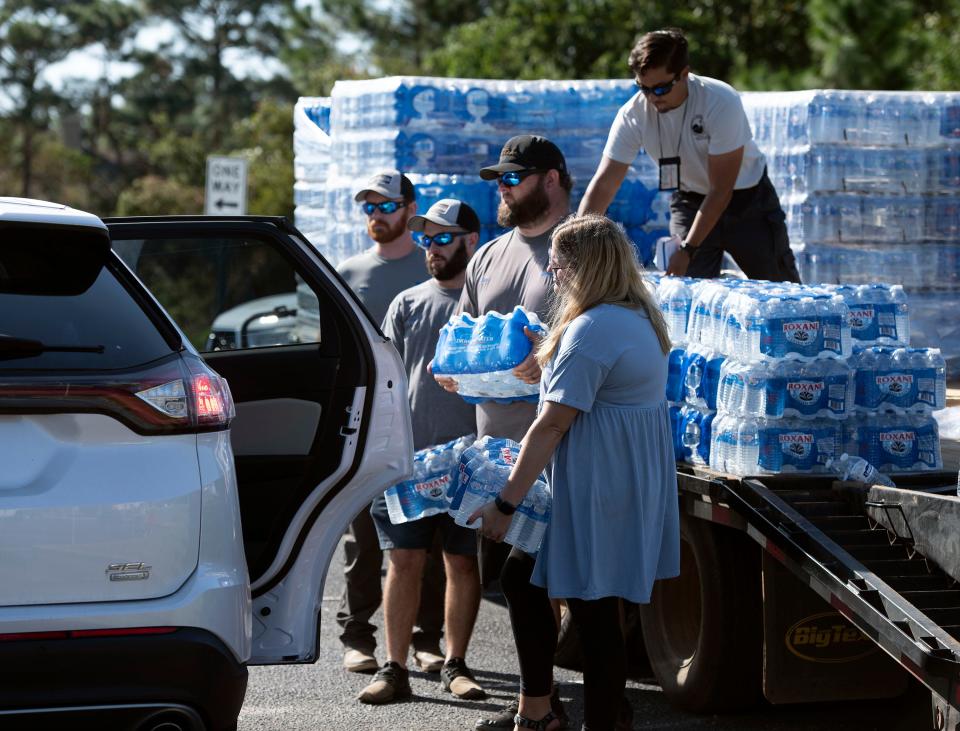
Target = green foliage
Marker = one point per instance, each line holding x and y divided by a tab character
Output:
265	140
156	196
226	83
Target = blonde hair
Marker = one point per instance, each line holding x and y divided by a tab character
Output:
600	267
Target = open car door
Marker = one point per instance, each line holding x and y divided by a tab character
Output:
322	424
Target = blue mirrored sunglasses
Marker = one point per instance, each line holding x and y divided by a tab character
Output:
441	239
515	177
658	89
387	207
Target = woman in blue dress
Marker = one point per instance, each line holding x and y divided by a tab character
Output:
603	436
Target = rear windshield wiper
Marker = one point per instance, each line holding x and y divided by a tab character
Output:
14	347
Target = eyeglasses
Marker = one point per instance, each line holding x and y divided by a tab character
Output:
515	177
441	239
658	89
387	207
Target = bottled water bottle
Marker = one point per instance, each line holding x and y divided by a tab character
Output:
434	472
701	376
857	469
530	520
695	428
675	386
675	297
486	480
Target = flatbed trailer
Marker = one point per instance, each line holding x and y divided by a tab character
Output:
806	588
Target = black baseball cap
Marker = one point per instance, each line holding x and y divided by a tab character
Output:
526	152
447	212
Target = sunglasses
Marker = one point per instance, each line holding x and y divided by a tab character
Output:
658	89
387	207
441	239
515	177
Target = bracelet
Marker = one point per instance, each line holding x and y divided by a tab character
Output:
504	506
688	249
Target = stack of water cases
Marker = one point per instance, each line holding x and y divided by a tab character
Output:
870	182
770	378
311	169
440	132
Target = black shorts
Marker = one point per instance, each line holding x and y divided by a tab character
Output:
752	230
418	534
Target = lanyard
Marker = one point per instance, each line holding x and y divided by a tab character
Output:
683	123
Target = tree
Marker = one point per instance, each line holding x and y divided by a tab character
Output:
33	36
402	34
209	30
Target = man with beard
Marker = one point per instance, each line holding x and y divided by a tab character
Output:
449	232
696	130
511	270
390	266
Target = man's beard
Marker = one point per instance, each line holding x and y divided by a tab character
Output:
387	234
451	267
524	212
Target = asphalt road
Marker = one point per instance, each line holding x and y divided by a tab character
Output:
321	696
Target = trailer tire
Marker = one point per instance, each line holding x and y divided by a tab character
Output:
704	630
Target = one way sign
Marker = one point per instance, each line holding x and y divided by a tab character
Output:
226	186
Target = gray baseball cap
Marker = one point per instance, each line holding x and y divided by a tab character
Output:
390	184
447	212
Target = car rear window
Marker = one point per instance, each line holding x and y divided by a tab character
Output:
104	314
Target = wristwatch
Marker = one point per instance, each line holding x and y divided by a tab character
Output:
688	248
505	507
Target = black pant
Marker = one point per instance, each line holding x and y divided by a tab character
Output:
535	633
752	230
363	593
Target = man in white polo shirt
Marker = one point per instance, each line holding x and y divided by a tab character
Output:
696	131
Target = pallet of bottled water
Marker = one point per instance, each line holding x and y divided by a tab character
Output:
484	471
481	353
435	472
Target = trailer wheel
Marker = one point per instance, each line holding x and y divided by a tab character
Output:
703	630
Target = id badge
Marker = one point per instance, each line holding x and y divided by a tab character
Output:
669	173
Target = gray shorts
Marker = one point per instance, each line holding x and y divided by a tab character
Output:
418	534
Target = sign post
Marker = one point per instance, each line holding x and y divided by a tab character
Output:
226	193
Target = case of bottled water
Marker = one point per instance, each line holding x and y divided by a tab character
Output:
805	390
481	353
435	470
903	380
758	446
895	443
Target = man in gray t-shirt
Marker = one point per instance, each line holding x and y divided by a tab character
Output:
511	270
449	231
391	265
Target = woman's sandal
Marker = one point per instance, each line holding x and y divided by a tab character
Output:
540	725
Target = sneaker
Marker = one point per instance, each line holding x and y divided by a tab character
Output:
504	718
391	683
427	661
456	678
359	661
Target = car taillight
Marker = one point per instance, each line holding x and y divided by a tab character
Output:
180	394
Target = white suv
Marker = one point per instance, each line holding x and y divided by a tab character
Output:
152	544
